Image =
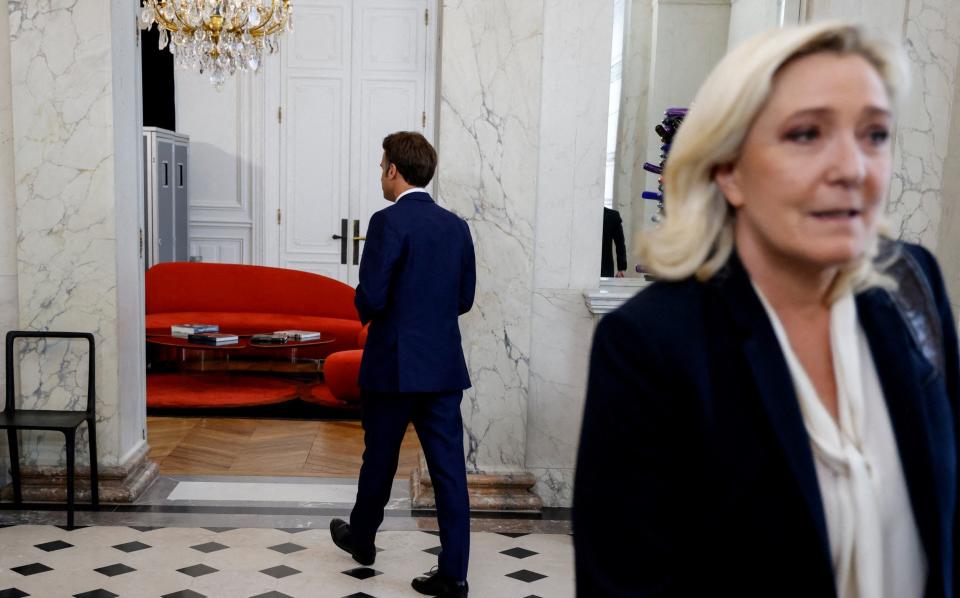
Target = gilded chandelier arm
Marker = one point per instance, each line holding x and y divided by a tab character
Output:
259	29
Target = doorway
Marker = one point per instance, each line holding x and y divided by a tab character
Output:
284	172
351	72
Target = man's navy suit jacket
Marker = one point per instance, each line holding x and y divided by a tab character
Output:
695	475
417	276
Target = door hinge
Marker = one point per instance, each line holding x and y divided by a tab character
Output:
426	17
280	114
423	119
278	216
140	236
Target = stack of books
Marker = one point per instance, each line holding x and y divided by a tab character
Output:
185	330
213	338
299	335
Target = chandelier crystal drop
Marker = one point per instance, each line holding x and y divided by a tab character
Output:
218	37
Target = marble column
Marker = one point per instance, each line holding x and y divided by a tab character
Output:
577	37
8	212
488	137
75	86
490	74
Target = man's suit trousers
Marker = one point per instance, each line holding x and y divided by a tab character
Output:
436	418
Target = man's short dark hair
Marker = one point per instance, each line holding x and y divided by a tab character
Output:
412	154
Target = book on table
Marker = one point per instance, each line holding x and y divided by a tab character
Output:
184	330
299	335
269	339
213	338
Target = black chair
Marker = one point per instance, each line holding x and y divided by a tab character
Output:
13	419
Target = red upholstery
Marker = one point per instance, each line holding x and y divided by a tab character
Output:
362	337
342	369
249	299
340	373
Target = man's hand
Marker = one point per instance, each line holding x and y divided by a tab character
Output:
619	274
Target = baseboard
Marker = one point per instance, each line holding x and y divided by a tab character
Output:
488	492
121	483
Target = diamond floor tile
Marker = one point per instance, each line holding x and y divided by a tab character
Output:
131	546
197	570
287	548
209	547
526	575
112	570
31	569
280	571
55	545
362	572
518	553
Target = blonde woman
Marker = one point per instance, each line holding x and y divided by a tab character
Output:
778	416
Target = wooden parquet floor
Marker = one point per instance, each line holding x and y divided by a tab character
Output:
264	447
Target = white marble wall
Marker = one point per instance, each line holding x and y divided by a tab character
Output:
75	185
629	180
488	138
922	133
577	35
8	212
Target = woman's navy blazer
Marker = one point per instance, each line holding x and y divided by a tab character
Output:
695	475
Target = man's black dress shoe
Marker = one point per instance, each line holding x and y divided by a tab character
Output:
340	532
434	584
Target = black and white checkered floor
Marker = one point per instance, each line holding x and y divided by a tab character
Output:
188	562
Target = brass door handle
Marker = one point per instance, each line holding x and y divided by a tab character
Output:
356	242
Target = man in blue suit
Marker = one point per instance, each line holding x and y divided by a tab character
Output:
417	275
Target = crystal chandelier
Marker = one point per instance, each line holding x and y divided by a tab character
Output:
218	36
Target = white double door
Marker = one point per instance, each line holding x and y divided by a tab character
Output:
351	72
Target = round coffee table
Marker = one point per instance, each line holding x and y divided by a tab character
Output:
293	345
179	342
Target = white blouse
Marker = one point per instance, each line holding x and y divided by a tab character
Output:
874	542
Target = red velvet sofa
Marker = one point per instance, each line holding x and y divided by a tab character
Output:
341	371
252	299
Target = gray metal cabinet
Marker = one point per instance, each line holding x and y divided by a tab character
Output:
166	195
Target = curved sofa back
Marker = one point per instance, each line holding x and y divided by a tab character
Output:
196	286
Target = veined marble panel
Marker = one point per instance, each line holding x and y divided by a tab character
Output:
577	36
923	130
554	486
64	143
8	212
562	335
488	137
948	245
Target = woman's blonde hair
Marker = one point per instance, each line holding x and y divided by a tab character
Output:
697	233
